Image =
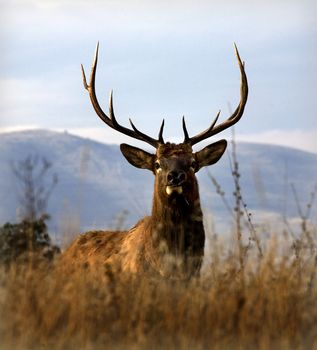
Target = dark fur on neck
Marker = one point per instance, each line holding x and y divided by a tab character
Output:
177	230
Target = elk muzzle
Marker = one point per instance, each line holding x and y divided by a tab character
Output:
174	180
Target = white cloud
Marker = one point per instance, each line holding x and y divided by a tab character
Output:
304	140
18	128
103	134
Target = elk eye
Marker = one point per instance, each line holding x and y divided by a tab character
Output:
157	165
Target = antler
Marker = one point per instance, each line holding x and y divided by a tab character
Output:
235	117
111	121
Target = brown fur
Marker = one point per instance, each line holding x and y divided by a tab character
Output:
171	241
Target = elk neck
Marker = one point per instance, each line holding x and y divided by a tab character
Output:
178	222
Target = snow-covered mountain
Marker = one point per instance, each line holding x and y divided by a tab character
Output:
96	184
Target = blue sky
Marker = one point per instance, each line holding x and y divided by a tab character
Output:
163	59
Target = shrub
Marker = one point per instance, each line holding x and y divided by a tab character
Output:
19	242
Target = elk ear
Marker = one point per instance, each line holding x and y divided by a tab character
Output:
137	157
211	154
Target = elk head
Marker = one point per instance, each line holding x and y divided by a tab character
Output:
174	165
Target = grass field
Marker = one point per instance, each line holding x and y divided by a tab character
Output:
247	298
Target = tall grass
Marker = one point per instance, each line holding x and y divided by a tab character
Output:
269	304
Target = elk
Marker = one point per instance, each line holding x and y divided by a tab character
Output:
170	242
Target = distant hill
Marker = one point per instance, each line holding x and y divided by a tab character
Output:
96	183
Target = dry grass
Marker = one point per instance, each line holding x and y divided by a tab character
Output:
269	303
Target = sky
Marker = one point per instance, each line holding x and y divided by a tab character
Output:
163	59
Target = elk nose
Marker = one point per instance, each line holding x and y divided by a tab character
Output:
176	178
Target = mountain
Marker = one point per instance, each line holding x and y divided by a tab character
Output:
96	185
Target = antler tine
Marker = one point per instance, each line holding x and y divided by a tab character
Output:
84	77
112	121
234	118
160	138
111	111
141	136
186	136
188	139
